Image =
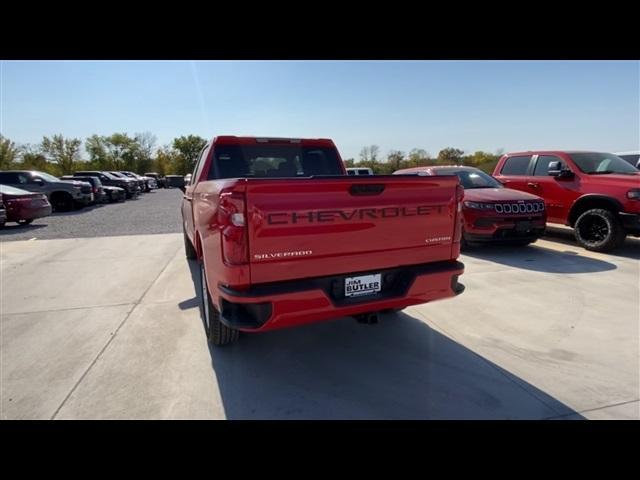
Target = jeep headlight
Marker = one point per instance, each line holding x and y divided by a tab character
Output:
478	205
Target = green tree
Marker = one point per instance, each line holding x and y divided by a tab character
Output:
189	148
395	158
96	147
369	154
165	161
349	162
450	156
32	158
8	153
145	142
63	152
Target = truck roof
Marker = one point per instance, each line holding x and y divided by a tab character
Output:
234	140
551	152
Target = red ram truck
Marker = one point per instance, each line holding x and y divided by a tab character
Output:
597	194
490	212
285	237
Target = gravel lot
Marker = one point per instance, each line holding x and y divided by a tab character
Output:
154	212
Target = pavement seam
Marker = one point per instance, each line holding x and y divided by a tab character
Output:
496	368
592	409
115	334
69	308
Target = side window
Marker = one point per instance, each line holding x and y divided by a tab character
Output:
9	177
542	165
197	169
516	165
23	179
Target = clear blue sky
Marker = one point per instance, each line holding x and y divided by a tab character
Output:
478	105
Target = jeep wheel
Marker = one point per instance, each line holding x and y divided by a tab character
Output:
599	230
217	332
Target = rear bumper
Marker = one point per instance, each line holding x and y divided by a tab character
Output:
631	222
30	213
293	303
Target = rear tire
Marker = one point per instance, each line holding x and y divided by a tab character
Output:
599	230
62	202
189	250
217	332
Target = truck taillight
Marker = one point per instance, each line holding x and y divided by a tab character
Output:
233	231
457	231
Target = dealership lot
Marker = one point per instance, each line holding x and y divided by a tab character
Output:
109	327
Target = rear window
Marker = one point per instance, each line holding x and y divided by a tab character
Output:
278	161
9	177
516	165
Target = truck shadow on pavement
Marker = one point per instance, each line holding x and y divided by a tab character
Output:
564	236
399	368
538	258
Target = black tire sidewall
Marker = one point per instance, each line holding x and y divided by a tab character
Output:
615	230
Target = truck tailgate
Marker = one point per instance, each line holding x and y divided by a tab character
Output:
301	228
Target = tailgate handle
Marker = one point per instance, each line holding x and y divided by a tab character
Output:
366	189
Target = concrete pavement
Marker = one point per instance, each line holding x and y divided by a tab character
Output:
109	327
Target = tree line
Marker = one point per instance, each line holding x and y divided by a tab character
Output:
58	155
395	160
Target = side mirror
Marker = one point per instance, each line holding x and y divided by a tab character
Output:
555	170
38	181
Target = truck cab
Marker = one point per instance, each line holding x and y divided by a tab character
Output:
595	193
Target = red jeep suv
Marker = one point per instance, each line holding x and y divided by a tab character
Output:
598	194
490	212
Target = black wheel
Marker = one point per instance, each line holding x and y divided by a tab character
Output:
599	230
25	221
62	202
189	249
217	332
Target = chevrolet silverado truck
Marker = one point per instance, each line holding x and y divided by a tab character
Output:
285	237
597	194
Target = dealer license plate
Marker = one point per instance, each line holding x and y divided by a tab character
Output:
363	285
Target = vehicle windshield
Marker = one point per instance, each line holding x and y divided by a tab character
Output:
7	190
279	161
595	163
470	179
46	176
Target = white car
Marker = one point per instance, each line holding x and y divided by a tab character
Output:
632	157
359	171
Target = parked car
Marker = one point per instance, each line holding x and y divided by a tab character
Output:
492	213
138	182
146	183
595	193
115	194
174	181
107	179
160	180
96	186
632	157
3	212
359	171
280	249
22	206
63	194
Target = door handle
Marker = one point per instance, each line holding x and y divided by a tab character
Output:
533	185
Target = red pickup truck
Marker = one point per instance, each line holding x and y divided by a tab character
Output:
285	237
598	194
